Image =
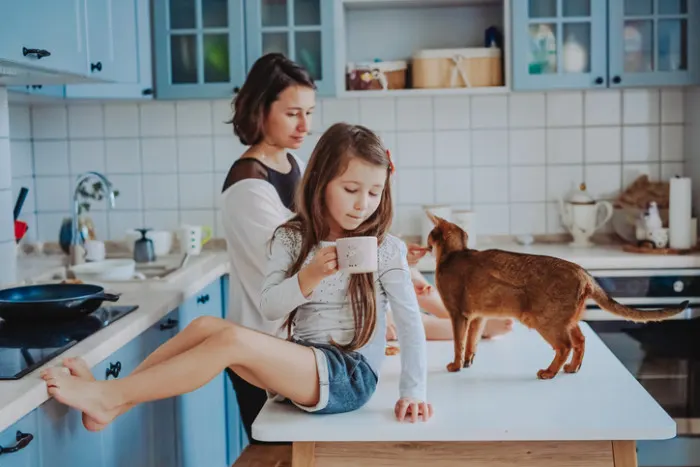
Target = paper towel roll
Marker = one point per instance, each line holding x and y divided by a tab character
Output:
680	213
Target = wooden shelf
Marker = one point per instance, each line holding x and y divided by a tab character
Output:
378	4
426	92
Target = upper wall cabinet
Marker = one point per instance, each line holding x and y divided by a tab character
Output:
43	38
560	44
300	29
199	48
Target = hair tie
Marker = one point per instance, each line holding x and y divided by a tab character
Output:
392	168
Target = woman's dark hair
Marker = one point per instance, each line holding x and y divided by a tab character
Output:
270	75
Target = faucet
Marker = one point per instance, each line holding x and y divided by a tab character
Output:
77	253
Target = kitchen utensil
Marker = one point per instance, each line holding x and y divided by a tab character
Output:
579	214
20	230
107	270
51	301
20	202
143	248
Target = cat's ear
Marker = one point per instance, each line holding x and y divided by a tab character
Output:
435	219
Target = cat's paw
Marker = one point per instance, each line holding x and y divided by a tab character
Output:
570	368
468	360
545	374
452	367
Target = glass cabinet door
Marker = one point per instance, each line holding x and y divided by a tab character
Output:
559	44
199	47
300	29
653	42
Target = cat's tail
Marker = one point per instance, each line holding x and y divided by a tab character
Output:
607	303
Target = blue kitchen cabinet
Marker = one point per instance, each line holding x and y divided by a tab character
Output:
19	444
202	413
589	44
46	90
300	29
199	49
45	34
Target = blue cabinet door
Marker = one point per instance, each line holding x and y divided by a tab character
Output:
559	44
19	444
303	30
654	43
131	56
31	29
202	413
199	49
54	90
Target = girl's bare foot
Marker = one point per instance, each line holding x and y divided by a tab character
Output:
497	327
86	396
79	368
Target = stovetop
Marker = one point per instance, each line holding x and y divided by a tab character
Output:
25	347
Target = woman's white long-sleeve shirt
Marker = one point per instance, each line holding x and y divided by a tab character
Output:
327	313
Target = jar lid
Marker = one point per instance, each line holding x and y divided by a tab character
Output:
581	196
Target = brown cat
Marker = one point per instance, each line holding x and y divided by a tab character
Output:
544	293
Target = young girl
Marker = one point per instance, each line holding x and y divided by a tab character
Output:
331	362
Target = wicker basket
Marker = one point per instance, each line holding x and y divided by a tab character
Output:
376	75
457	68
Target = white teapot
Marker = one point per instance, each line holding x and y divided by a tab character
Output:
579	215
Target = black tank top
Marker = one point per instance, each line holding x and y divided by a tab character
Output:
284	183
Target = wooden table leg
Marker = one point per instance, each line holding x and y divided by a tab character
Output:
303	454
624	453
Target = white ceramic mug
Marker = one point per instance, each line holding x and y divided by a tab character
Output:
95	250
357	254
193	237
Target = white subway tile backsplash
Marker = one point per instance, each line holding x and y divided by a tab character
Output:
159	155
226	150
630	172
415	186
602	107
527	110
121	120
317	119
195	154
5	164
672	143
157	119
603	144
414	113
53	194
378	114
564	109
562	179
489	112
453	186
640	106
130	191
196	191
565	145
7	230
452	148
414	149
222	111
490	147
490	185
51	158
671	169
554	225
87	155
85	121
49	122
492	219
22	158
193	118
203	217
528	184
160	191
4	114
407	220
20	122
162	219
123	156
29	206
48	225
672	106
388	139
451	112
122	221
340	110
527	147
304	152
8	253
603	181
526	218
640	144
219	179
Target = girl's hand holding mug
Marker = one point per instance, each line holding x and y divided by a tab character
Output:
323	264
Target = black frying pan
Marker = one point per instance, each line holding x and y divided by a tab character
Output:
51	301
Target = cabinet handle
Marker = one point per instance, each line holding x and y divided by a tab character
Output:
236	90
147	92
169	324
113	370
96	66
23	439
599	80
39	53
203	298
617	80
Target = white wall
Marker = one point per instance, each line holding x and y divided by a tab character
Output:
509	157
7	235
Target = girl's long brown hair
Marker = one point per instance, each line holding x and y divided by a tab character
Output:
331	156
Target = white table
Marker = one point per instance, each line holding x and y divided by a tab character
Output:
495	413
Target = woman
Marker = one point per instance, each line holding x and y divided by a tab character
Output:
272	115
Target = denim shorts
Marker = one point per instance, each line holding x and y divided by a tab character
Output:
346	380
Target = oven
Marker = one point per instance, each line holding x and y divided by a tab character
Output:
663	356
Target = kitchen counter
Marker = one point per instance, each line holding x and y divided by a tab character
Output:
155	300
595	257
484	410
